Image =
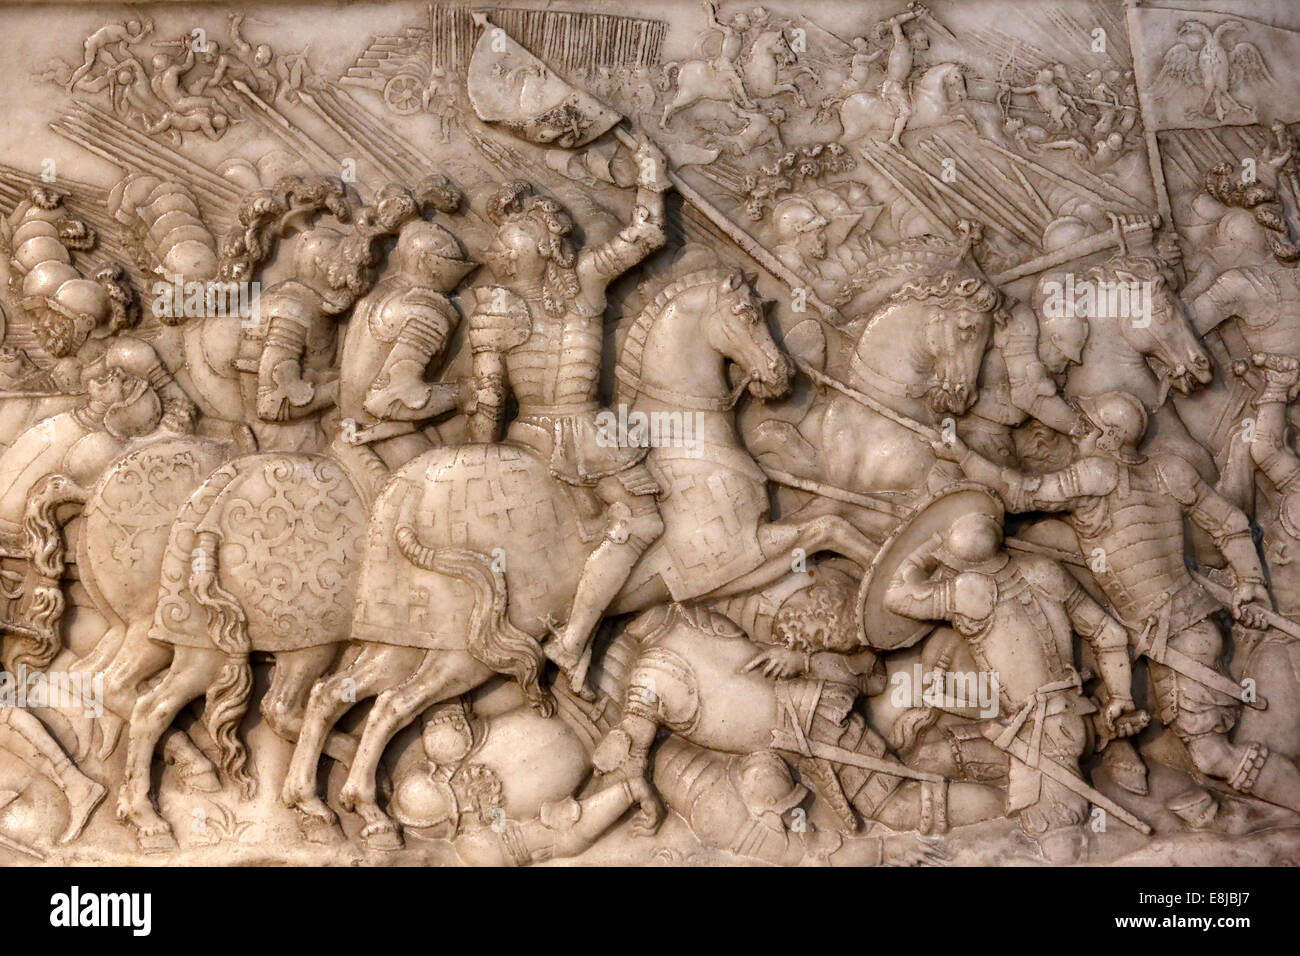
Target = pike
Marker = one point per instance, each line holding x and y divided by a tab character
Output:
911	424
551	95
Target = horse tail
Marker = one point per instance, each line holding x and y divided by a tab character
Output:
666	75
45	548
492	638
227	698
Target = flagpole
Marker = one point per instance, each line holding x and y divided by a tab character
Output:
748	243
1143	81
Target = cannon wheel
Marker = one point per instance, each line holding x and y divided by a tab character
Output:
404	94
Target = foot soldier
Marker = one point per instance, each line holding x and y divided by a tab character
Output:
1127	511
1017	616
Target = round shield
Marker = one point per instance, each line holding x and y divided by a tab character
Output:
882	629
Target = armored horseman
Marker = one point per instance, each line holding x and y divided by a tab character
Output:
1130	508
398	330
539	336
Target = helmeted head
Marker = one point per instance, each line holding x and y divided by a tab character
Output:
429	251
767	787
130	407
973	543
423	801
798	223
1119	423
532	244
1062	332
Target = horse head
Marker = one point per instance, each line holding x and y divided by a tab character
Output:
774	44
1157	326
737	329
928	339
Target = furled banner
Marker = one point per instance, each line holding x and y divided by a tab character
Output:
509	86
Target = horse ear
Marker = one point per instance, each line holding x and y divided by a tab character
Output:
751	279
733	282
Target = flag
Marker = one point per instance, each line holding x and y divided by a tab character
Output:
510	87
1199	70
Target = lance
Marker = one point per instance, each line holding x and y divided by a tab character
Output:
752	247
911	424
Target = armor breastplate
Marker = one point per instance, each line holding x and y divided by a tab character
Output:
559	364
1140	533
1021	641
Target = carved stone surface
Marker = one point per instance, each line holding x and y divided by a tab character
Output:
837	433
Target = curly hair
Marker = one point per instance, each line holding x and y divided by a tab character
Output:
1223	184
818	618
515	202
951	290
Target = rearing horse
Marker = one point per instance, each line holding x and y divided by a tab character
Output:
769	56
459	529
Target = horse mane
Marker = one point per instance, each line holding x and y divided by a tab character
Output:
632	354
908	260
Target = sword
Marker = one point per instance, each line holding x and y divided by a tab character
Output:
1170	657
783	740
1050	768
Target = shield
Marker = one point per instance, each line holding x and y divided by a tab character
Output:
883	629
509	86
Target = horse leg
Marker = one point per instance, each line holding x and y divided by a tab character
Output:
136	660
377	668
285	701
779	540
192	671
791	88
95	662
441	675
681	101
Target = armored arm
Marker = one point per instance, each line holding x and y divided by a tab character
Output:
598	266
399	392
1216	516
913	592
1269	450
1106	636
283	394
1032	389
498	321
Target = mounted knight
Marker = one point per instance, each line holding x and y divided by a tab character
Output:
539	336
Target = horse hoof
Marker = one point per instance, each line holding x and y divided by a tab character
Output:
381	836
319	830
158	841
201	781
